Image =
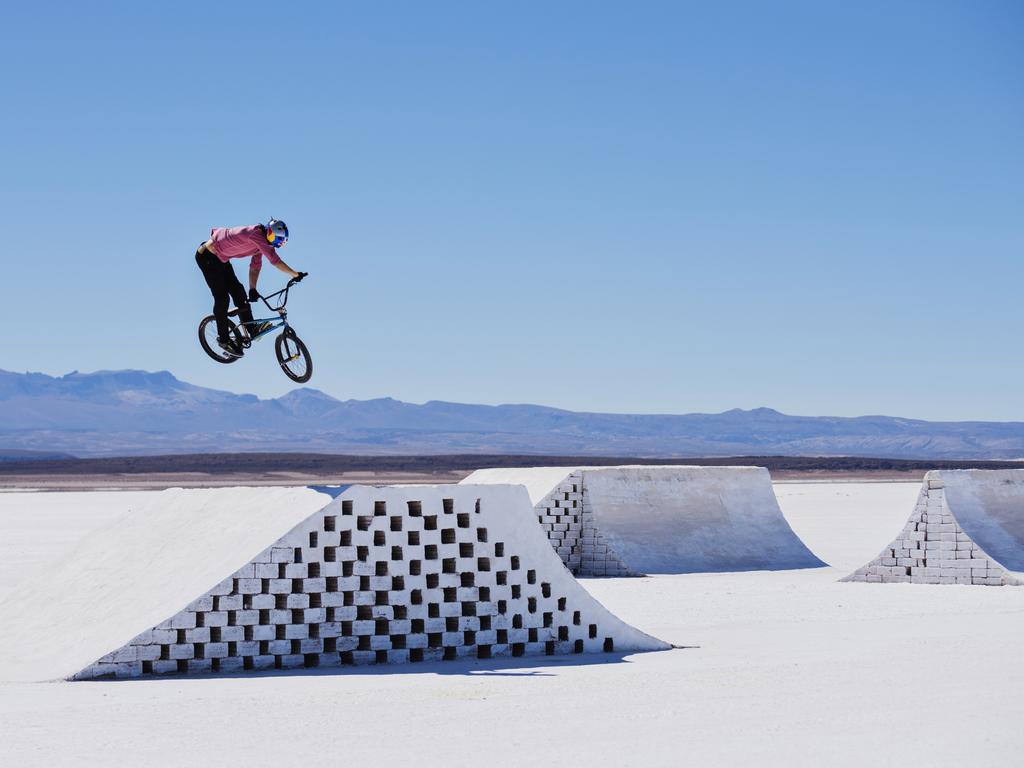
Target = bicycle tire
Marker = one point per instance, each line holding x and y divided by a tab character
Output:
209	344
290	350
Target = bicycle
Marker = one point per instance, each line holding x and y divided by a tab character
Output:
292	354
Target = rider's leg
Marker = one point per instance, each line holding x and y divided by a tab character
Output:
239	296
213	271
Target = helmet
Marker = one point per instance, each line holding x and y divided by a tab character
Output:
277	232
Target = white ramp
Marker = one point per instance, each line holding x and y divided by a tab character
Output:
619	521
967	528
240	579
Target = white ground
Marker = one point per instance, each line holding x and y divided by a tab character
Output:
783	668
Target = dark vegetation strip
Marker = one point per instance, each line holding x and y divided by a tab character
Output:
227	463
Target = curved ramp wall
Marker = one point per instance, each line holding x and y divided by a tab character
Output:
621	521
382	575
966	528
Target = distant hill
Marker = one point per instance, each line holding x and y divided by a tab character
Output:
123	413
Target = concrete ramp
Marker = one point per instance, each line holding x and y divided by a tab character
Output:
621	521
256	578
966	528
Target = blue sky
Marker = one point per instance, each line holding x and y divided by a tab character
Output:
635	207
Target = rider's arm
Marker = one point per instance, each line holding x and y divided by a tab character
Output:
255	264
284	268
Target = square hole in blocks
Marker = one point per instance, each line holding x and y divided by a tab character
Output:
483	564
502	607
518	649
346	538
448	506
415	508
485	594
430	552
462	520
545	589
531	604
414	538
450	654
469	637
517	592
433	580
549	619
433	611
563	634
481	535
416	597
297	555
362	554
501	578
485	623
381	597
447	535
347	568
313	571
396	523
448	565
517	621
397	583
609	645
576	618
468	608
396	553
450	594
451	624
330	522
330	554
382	568
502	637
561	603
346	506
549	648
415	655
476	507
531	635
417	626
434	640
483	652
467	579
379	538
514	562
465	550
380	627
363	522
414	568
592	631
430	522
381	657
380	508
398	642
400	612
531	577
312	539
364	612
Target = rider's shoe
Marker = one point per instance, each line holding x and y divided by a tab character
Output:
230	347
257	328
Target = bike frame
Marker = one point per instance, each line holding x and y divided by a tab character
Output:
281	321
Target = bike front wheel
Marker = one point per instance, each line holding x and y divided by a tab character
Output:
293	357
208	339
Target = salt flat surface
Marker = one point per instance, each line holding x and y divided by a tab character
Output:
782	668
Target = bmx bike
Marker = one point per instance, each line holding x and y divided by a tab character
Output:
292	354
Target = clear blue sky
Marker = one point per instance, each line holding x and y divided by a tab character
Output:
635	206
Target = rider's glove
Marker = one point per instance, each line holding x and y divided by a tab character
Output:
254	295
300	276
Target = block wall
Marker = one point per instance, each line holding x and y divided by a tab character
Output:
933	549
371	582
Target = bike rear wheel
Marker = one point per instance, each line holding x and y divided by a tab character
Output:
293	357
208	339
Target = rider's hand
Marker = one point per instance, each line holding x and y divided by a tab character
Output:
254	295
298	277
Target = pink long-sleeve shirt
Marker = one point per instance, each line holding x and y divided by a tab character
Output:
242	242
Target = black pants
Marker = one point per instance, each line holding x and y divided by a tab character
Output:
223	285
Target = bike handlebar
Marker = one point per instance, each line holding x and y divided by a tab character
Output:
284	291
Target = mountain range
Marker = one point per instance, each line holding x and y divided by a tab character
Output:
125	413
